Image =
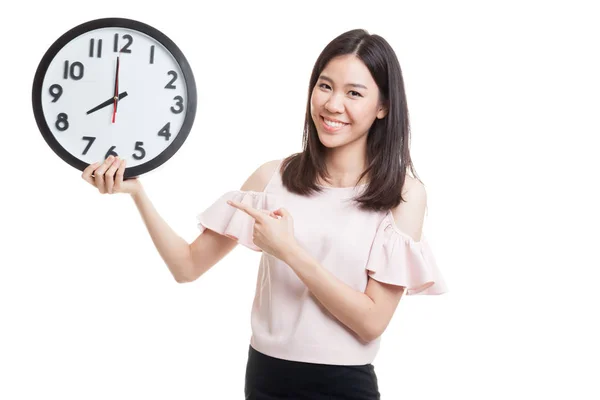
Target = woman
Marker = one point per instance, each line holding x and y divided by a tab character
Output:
339	226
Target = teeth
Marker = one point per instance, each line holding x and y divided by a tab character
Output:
333	124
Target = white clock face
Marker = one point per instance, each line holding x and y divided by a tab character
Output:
78	96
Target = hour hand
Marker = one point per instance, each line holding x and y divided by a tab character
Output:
106	103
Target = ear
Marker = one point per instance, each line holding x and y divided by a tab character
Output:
382	112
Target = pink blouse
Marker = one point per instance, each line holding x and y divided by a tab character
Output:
287	320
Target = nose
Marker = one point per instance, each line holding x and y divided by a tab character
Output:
334	104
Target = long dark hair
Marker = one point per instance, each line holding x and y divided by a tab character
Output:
388	140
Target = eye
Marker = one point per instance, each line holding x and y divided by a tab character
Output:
324	86
354	93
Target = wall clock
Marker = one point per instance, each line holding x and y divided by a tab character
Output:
114	86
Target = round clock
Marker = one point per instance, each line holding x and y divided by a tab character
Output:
114	86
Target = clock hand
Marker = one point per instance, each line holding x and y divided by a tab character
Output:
116	98
107	103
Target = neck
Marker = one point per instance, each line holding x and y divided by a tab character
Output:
345	165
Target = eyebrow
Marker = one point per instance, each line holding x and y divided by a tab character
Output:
356	85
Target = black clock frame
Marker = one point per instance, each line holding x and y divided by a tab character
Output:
118	23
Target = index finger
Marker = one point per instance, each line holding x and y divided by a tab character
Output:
251	211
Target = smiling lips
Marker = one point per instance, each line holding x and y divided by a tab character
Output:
331	125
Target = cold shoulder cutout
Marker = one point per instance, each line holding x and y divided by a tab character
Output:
229	221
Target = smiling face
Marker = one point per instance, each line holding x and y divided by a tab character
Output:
344	102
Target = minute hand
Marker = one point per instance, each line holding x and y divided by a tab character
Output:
107	103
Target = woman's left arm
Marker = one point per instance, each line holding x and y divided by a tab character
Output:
367	314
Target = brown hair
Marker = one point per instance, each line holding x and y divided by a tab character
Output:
388	140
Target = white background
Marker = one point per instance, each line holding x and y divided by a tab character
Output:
503	99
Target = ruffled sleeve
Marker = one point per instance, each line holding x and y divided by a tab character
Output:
397	259
226	220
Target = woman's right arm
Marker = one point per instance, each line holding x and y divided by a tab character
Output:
187	262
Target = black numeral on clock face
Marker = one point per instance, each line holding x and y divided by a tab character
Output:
92	48
165	131
138	147
75	71
152	54
179	104
111	152
90	140
55	91
170	84
125	48
62	123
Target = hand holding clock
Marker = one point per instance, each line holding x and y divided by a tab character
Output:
108	177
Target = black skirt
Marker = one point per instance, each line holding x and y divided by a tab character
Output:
269	378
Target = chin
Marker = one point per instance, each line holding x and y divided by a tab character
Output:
331	142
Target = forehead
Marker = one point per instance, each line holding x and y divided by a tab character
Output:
348	69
